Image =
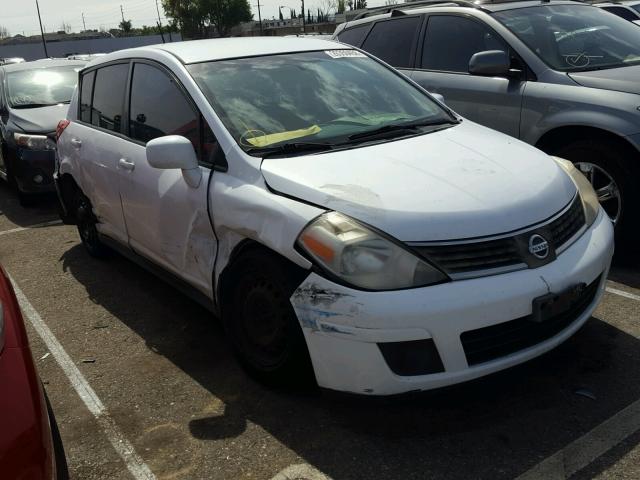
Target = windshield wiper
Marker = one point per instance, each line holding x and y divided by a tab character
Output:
401	127
38	105
290	147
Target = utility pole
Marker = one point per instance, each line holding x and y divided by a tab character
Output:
44	42
84	25
122	12
259	17
159	21
304	15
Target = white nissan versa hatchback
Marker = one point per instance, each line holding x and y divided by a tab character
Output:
340	221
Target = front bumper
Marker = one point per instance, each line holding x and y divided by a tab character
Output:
343	326
33	170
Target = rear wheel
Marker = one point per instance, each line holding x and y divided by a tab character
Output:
262	324
609	170
87	222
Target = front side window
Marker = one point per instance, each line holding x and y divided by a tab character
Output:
108	97
159	108
463	38
572	38
393	41
322	96
41	87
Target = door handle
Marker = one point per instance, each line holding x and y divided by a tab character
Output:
126	164
76	143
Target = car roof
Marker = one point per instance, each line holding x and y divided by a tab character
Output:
196	51
425	6
44	63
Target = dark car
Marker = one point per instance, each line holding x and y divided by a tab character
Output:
30	445
34	96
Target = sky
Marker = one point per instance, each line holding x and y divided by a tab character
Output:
20	16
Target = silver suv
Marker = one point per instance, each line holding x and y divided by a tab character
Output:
560	75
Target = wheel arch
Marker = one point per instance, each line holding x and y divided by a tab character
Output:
561	136
67	190
228	276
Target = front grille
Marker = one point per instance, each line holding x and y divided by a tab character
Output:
508	253
495	341
567	225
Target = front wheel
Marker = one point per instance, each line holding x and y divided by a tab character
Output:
613	177
262	324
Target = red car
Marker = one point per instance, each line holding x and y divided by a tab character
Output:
30	445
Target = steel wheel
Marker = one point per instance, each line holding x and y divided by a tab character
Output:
606	188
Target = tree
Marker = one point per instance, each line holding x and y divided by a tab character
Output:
326	8
196	17
280	14
125	26
340	8
309	19
4	33
390	3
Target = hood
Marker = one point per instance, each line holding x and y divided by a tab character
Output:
463	182
624	79
38	120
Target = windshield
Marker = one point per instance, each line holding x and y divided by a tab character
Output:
324	96
41	87
575	37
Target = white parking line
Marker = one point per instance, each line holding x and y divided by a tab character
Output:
302	471
580	453
37	225
133	461
622	293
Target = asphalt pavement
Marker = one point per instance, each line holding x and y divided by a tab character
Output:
175	404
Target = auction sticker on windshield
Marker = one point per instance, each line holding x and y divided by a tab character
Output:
344	53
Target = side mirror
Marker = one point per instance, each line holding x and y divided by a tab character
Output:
491	63
175	151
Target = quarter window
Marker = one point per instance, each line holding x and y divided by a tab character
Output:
108	97
622	12
353	36
451	41
86	91
393	41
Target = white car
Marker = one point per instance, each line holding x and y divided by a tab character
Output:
338	219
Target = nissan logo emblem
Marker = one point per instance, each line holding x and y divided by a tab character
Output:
538	246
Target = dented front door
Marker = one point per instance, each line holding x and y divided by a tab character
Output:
167	220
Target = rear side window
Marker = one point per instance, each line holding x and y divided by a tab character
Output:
108	97
86	92
353	36
393	41
452	41
158	108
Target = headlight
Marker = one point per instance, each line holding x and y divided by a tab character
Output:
33	142
588	195
362	257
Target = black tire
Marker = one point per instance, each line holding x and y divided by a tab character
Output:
62	469
26	200
616	163
262	324
86	222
